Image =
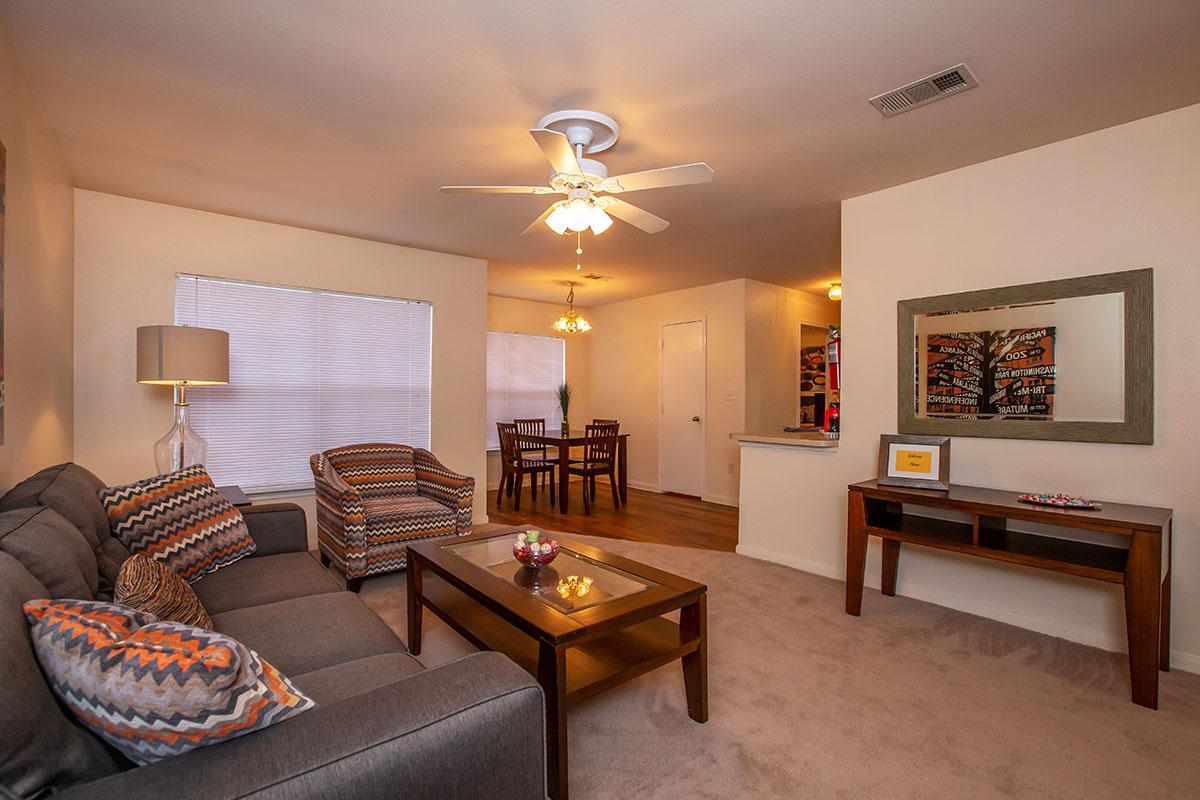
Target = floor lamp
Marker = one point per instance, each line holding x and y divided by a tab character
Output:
180	356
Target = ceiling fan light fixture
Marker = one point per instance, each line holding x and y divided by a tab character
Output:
579	214
557	221
600	221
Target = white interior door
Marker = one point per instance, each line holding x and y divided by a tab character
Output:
681	428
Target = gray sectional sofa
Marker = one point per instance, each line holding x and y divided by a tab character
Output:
384	726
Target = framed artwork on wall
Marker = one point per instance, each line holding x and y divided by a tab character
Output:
918	462
2	161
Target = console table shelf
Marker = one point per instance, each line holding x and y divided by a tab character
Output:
989	533
1143	567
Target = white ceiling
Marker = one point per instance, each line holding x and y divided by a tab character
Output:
347	116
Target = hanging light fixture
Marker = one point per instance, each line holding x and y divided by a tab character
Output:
572	321
835	291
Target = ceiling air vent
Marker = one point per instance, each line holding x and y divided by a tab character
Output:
918	93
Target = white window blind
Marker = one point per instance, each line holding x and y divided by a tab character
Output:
523	375
308	370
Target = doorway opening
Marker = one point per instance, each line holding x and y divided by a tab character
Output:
812	379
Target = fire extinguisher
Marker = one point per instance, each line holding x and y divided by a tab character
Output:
833	365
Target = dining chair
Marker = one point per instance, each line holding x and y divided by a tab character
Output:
536	427
598	421
599	458
513	466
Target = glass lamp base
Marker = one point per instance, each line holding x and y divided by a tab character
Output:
181	447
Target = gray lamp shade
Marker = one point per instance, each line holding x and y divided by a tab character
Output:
173	354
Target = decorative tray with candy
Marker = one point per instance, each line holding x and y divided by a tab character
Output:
534	551
1059	500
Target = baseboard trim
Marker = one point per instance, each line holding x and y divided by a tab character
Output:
720	499
1187	662
645	487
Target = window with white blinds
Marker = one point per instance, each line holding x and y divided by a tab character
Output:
523	375
308	370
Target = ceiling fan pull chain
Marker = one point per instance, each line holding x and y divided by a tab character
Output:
578	251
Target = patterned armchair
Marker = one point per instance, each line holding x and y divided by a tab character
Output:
373	499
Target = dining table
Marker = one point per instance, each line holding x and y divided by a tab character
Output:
564	442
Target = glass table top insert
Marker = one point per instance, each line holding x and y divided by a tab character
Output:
571	582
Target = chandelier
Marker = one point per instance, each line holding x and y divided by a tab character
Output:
572	321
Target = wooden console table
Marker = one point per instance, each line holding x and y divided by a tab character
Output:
1143	567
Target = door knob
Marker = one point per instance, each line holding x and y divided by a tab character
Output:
695	419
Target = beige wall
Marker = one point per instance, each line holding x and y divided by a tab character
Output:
38	254
773	318
624	376
510	315
1121	198
127	253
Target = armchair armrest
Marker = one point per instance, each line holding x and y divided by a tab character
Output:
467	728
277	528
341	523
437	481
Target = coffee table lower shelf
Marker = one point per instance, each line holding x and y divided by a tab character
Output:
592	666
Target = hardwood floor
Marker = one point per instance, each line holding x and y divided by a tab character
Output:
649	517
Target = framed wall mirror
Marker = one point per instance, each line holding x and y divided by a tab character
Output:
1068	360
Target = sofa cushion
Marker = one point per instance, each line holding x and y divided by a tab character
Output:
155	689
52	549
405	517
180	519
264	579
74	493
42	749
151	586
310	633
342	681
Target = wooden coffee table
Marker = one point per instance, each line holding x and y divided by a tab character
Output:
574	644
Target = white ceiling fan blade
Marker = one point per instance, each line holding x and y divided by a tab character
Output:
558	150
636	217
540	221
497	190
660	178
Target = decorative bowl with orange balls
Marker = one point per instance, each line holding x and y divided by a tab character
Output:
533	550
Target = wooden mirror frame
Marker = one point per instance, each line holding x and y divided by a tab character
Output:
1138	425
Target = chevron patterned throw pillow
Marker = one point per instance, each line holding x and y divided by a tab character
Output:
155	689
179	519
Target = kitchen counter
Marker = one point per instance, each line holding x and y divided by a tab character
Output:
813	439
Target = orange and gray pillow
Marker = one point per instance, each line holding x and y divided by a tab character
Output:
155	689
144	584
179	519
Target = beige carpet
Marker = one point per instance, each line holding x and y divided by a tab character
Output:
908	701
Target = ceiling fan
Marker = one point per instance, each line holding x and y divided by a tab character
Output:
565	137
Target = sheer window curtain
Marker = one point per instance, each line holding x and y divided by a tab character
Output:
523	374
309	370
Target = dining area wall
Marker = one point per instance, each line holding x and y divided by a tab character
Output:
512	315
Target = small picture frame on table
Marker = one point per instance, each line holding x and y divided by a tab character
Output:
918	462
